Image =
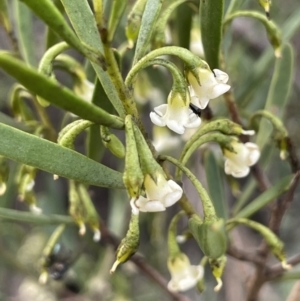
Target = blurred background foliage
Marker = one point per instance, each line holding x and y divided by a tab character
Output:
250	63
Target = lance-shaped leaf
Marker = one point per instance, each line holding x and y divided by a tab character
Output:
266	197
55	93
45	155
23	17
279	91
211	14
50	14
149	18
83	21
215	185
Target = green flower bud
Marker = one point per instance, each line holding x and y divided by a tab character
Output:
91	216
210	236
129	244
112	142
76	209
133	177
134	22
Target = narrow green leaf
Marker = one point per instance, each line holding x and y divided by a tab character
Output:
279	91
258	72
11	122
118	8
233	6
183	20
83	21
266	197
23	17
215	184
149	19
29	217
55	93
211	14
49	13
45	155
4	17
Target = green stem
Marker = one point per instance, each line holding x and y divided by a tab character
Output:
188	57
222	139
45	66
208	207
275	121
178	78
173	247
28	217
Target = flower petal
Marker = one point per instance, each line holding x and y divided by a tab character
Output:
157	120
221	76
217	90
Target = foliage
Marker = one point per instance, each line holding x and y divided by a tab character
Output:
79	110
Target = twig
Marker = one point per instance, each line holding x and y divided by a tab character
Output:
276	270
282	204
245	256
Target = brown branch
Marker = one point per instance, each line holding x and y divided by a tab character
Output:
282	204
276	270
138	260
293	159
245	256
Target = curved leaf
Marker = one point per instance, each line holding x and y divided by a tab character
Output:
211	15
55	93
43	154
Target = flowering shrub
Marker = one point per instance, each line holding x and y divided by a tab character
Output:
105	98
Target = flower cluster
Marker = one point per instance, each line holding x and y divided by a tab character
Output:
176	114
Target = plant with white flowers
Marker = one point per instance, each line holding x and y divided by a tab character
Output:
121	106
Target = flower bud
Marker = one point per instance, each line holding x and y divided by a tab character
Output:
133	177
91	216
129	244
112	142
134	22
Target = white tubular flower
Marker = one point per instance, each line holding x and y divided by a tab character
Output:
159	194
184	276
212	85
176	115
237	164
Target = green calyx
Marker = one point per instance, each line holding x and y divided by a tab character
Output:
133	177
210	236
129	244
82	209
134	22
112	142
